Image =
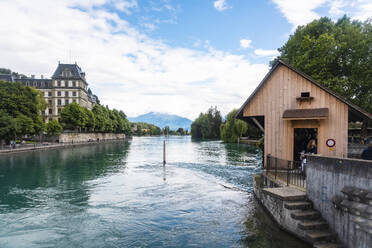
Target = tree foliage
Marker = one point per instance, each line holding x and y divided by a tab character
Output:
53	128
233	128
336	54
142	128
99	119
20	110
207	125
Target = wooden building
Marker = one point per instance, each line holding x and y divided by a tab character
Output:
291	108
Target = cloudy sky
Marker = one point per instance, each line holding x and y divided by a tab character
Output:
173	56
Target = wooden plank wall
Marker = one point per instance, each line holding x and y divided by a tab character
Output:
278	94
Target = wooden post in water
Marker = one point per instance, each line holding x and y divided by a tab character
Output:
164	158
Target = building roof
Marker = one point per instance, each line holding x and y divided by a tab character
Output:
317	113
74	69
355	112
6	77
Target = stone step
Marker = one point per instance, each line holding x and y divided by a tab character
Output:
298	205
319	236
305	215
313	225
327	245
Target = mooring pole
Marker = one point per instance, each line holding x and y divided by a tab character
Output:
164	158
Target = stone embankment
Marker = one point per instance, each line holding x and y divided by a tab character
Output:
335	211
69	140
291	209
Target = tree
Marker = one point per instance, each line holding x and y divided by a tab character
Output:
21	108
233	128
337	55
53	128
73	116
207	126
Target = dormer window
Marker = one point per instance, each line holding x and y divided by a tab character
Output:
66	73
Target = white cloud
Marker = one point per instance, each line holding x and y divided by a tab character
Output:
301	12
244	43
221	5
125	68
266	53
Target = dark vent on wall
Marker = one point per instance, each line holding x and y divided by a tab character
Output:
305	94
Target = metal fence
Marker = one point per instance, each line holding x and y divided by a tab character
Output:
289	172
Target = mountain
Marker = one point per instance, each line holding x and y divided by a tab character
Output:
162	120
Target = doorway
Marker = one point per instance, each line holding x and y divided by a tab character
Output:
302	136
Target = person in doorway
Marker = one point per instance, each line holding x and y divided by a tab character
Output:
367	153
311	147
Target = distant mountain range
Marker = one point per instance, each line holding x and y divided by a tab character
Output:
162	120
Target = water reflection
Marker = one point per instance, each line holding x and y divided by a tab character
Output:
25	176
262	231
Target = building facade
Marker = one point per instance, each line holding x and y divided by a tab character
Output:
291	109
67	85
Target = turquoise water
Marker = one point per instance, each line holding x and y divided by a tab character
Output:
120	195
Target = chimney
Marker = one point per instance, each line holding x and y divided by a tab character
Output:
32	76
42	76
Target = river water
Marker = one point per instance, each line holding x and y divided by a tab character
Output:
120	195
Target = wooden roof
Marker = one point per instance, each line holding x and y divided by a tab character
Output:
318	113
355	112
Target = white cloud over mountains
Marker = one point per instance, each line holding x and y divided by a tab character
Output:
125	68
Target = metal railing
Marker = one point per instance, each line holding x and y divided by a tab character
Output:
289	172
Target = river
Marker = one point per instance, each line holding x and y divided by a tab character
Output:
120	195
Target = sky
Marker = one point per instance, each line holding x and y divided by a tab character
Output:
171	56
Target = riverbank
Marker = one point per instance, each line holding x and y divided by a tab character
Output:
49	146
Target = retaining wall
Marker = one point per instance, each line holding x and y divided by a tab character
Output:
86	137
329	183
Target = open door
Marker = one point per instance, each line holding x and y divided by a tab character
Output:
302	136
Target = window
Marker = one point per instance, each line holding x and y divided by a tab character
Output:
59	102
305	94
50	119
59	110
74	93
59	83
73	83
74	100
49	93
59	93
50	111
66	93
50	103
66	73
66	102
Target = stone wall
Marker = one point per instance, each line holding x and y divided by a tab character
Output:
275	206
329	183
86	137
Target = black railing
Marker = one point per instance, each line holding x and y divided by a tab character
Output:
289	172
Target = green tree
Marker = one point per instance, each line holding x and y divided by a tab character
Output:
90	120
21	108
53	128
336	54
233	128
207	126
73	116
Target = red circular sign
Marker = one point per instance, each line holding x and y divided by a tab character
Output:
331	142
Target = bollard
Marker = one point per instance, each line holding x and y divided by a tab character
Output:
164	155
